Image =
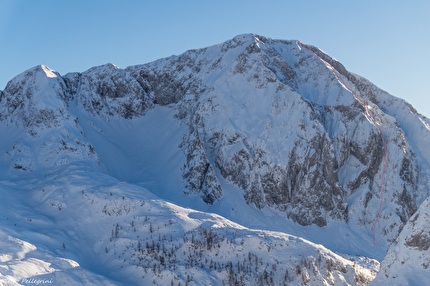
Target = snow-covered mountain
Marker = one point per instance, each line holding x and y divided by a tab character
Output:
256	161
408	259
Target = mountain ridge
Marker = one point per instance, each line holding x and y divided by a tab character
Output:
252	125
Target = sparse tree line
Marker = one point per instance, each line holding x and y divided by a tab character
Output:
226	256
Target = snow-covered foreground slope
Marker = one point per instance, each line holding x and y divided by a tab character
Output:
82	227
255	161
22	263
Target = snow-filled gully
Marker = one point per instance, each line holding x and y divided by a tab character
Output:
372	120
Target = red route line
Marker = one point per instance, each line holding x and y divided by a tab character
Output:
374	122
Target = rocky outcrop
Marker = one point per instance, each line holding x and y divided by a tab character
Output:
109	91
34	99
265	115
408	259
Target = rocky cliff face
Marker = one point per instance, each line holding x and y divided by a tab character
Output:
35	99
109	91
39	132
268	116
271	118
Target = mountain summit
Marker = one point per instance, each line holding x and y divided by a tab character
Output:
273	143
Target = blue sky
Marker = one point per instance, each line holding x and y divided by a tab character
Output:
384	41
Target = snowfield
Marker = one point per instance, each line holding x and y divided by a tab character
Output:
252	162
123	235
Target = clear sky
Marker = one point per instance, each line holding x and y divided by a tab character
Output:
386	41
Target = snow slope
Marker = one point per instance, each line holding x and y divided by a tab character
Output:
248	162
408	259
79	226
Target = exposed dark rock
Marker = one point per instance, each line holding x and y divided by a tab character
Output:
113	91
419	240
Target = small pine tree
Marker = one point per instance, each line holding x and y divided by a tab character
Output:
116	233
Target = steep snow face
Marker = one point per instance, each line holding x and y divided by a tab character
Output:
249	128
41	132
414	129
408	259
34	98
274	119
